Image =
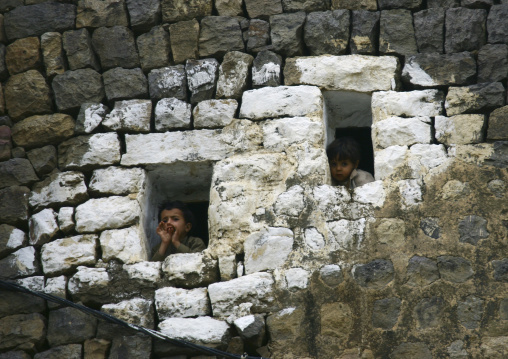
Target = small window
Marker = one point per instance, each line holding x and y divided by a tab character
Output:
363	136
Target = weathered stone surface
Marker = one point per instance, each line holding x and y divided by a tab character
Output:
96	348
395	4
296	279
234	75
267	249
115	47
143	14
35	20
43	159
465	29
498	126
500	269
370	5
15	172
3	68
251	329
421	271
459	129
22	263
184	40
430	312
23	55
171	113
106	213
90	285
375	274
254	290
73	88
168	82
43	227
66	219
494	347
334	72
190	270
305	5
286	327
175	10
52	53
428	70
331	275
69	325
214	113
258	35
286	33
336	320
62	255
90	116
364	32
202	77
181	303
429	30
56	286
22	331
388	160
430	226
42	130
20	303
475	98
94	13
153	46
64	188
411	351
122	84
398	131
202	330
281	133
11	239
8	5
14	205
396	33
385	313
229	7
454	269
132	346
137	311
5	141
129	116
78	48
499	153
496	24
219	35
406	104
117	180
497	187
144	271
493	63
263	8
470	312
27	94
472	229
126	245
89	151
70	351
327	32
266	69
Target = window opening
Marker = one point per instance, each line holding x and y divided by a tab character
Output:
363	136
200	211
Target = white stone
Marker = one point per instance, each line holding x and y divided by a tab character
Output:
24	261
227	267
125	244
312	163
282	101
136	311
101	149
93	115
66	253
193	269
214	113
89	280
240	269
331	274
268	72
16	238
243	323
35	283
56	286
233	74
313	239
476	153
203	330
388	160
43	227
424	158
129	115
60	188
290	203
410	191
181	303
330	200
66	219
370	193
106	213
297	278
144	271
117	180
171	113
459	129
416	74
267	249
254	288
281	133
385	104
350	72
344	234
398	131
171	147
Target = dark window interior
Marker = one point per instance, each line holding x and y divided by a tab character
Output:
363	136
200	211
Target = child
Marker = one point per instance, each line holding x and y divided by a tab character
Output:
343	157
175	224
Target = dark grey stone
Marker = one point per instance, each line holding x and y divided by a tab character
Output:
477	4
168	82
454	269
399	4
465	29
22	263
115	47
365	32
122	84
69	325
500	270
499	157
14	205
184	37
429	312
95	14
487	97
154	49
71	351
143	14
470	312
8	5
327	32
305	5
7	246
411	351
263	8
202	78
286	33
73	88
503	309
136	346
498	125
429	30
497	26
258	35
17	354
331	275
375	274
5	121
4	73
78	48
447	69
493	63
473	228
18	152
253	334
396	33
430	226
17	171
443	3
35	20
43	159
181	10
385	313
218	35
422	271
20	303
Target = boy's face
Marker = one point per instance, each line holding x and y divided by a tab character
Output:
174	220
341	169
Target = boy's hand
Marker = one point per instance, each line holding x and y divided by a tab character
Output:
168	234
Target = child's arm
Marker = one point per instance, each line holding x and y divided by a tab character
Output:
193	245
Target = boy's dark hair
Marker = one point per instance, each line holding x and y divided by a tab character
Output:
187	214
344	148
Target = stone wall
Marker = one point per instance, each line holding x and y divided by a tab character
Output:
110	107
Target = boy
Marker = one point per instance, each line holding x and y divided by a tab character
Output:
175	224
344	157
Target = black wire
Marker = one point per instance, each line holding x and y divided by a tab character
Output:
101	315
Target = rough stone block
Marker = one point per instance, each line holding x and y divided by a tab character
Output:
43	227
234	75
475	98
376	274
22	263
251	329
171	113
289	203
263	9
219	35
396	4
429	30
494	347
427	103
202	78
131	346
90	285
121	84
280	134
498	125
126	245
178	10
258	35
117	180
153	46
56	286
372	193
23	55
286	33
214	113
66	219
144	271
370	5
500	270
15	172
266	69
90	117
137	311
36	131
52	53
388	160
229	7
11	239
129	116
421	271
190	270
168	82
59	189
184	37
465	29
493	63
296	279
78	48
69	325
386	313
396	33
70	351
305	5
115	47
267	249
62	255
472	229
22	331
443	3
181	303
336	320
14	205
430	312
73	88
202	330
454	269
364	32
497	28
94	14
43	159
345	234
424	158
20	303
144	14
408	350
398	131
470	312
96	348
327	32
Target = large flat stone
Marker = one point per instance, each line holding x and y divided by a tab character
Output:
63	188
202	330
86	152
37	131
65	254
406	104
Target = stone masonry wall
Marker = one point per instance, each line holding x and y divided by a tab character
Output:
109	107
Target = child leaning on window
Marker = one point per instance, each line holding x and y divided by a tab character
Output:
344	154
